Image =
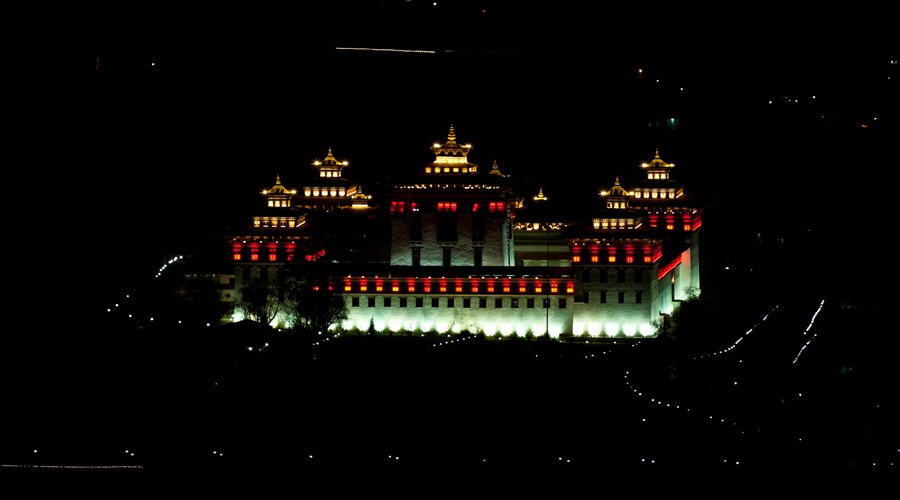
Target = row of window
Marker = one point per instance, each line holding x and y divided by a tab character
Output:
629	254
611	259
602	275
688	221
402	206
446	228
451	302
446	256
324	191
482	302
620	296
485	286
280	254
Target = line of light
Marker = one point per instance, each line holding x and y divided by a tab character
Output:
808	327
372	49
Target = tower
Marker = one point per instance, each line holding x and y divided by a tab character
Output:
294	226
637	257
451	214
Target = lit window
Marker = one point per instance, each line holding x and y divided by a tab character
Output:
576	258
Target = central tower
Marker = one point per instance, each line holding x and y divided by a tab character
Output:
451	214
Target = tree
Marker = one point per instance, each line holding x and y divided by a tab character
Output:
316	305
262	300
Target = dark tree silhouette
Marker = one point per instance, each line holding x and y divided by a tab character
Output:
262	300
315	301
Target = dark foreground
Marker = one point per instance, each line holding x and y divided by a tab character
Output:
789	394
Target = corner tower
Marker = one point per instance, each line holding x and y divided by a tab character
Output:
637	257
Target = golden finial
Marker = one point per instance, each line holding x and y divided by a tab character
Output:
452	135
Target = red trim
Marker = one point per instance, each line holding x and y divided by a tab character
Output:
669	267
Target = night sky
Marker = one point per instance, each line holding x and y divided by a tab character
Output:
192	113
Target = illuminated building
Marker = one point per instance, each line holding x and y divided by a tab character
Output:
637	257
454	249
